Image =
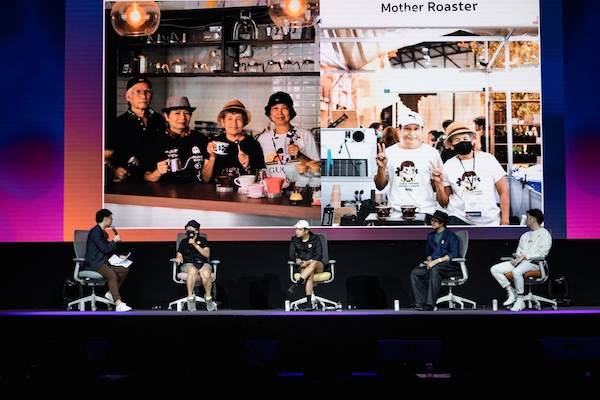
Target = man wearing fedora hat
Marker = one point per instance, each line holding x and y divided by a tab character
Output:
466	185
132	131
426	279
284	142
178	154
242	152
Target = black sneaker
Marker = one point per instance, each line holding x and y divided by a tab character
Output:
423	307
292	289
308	306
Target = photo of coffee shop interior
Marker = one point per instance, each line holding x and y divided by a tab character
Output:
371	76
213	54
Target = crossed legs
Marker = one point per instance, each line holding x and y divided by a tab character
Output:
499	271
308	272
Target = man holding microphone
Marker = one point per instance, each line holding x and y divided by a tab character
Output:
97	250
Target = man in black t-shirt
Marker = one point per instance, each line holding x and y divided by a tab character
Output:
193	254
307	251
131	132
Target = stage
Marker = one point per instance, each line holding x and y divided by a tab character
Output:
250	351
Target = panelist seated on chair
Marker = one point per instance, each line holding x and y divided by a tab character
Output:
533	244
193	255
97	250
426	279
306	250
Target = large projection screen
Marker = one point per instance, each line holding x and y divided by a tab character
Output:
54	169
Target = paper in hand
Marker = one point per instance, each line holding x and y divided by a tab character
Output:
117	261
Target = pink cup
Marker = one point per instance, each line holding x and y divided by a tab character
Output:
255	190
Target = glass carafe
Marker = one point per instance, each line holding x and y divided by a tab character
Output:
301	193
315	184
214	61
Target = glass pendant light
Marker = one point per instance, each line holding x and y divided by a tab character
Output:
135	18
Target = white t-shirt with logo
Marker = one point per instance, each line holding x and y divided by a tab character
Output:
274	148
473	197
409	177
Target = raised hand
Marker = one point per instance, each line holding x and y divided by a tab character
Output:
381	158
437	173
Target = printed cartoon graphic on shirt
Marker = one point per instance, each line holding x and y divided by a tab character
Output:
407	173
471	194
468	181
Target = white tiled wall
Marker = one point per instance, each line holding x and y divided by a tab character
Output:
209	93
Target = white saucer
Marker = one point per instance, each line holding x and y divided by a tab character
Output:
220	153
256	197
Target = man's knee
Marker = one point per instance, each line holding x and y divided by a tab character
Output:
206	274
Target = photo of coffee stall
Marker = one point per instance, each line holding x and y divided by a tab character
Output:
488	78
215	53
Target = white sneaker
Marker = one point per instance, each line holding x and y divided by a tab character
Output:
109	297
123	307
519	304
511	297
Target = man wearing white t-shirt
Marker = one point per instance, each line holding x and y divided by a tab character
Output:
534	243
407	166
466	185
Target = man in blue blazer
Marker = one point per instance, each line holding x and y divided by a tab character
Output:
426	279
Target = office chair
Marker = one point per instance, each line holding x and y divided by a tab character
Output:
327	276
90	279
460	278
533	278
180	277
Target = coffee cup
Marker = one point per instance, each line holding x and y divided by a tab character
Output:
224	180
220	147
243	181
255	190
384	211
409	211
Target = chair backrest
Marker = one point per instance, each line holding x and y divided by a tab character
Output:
80	242
323	238
463	238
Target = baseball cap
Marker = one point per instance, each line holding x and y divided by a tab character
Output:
303	224
136	80
410	117
193	223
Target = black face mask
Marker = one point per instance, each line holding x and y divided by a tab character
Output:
463	148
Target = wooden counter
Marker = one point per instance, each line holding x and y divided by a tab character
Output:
204	197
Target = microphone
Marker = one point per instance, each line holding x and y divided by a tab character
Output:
190	235
114	230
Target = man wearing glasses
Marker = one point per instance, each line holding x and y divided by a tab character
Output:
132	130
426	279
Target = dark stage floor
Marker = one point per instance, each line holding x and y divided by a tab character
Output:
246	350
